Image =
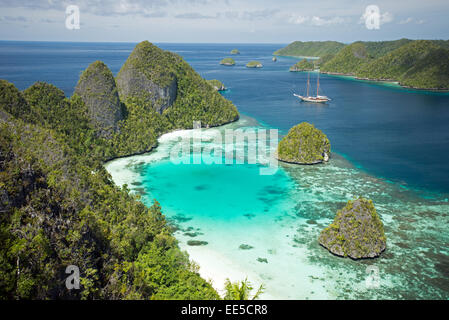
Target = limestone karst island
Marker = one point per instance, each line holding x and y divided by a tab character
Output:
222	151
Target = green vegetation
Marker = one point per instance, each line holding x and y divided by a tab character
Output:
12	101
217	84
348	60
241	290
254	64
303	65
323	59
304	144
235	51
418	63
310	48
356	231
60	207
227	62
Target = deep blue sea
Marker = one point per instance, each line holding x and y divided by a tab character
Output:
401	135
389	144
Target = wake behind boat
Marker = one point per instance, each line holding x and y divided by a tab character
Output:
308	98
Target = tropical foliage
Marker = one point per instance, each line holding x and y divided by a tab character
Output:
59	206
310	48
303	65
241	290
228	61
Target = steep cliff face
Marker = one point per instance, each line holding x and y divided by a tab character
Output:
148	74
163	81
98	90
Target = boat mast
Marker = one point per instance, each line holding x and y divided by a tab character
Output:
318	84
308	77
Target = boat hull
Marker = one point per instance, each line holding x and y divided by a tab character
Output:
312	99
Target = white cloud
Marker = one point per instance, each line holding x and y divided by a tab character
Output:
193	15
297	19
315	20
386	17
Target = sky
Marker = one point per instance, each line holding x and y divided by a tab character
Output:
222	21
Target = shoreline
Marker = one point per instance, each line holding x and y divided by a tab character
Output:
384	81
215	268
139	153
216	265
297	57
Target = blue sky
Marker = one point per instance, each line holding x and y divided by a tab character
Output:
230	21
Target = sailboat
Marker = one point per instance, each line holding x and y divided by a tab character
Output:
309	98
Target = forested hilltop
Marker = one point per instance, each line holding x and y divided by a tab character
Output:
310	48
422	64
58	204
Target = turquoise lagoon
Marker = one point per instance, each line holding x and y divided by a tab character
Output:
280	217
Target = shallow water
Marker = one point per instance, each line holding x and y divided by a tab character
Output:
278	217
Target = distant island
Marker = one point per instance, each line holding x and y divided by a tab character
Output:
419	64
227	62
235	51
303	65
254	64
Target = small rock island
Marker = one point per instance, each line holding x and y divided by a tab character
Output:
254	64
235	51
303	65
304	144
217	85
274	59
357	231
227	62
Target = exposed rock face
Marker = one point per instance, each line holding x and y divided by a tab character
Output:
274	59
97	89
357	231
146	76
304	144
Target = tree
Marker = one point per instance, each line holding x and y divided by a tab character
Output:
241	290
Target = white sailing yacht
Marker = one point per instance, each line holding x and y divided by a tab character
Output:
309	98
